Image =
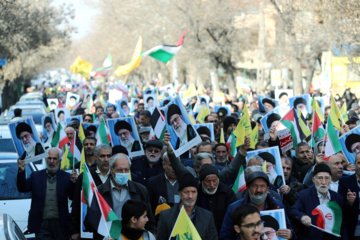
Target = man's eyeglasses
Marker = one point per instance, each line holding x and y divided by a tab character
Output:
252	226
153	150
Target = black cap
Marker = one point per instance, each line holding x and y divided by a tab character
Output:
119	149
254	175
206	170
267	100
188	180
270	222
74	121
22	127
154	143
282	94
227	121
272	118
350	140
322	167
204	130
122	125
299	100
173	109
267	157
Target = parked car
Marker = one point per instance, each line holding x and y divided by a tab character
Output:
9	230
33	96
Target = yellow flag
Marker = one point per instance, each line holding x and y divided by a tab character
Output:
135	60
82	162
191	92
304	128
243	128
81	133
82	67
264	167
222	138
335	114
202	114
344	112
200	89
218	97
192	120
316	107
184	228
254	136
65	163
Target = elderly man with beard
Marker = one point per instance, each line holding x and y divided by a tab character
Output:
31	147
214	195
221	155
202	219
124	130
50	189
150	165
70	132
257	183
184	132
308	199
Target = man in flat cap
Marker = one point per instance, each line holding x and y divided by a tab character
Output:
74	123
274	119
124	131
31	147
270	227
302	105
183	131
352	143
274	178
48	125
268	104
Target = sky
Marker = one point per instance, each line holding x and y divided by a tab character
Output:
84	14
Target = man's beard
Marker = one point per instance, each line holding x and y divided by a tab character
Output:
128	142
320	189
50	132
52	168
186	204
30	145
181	131
207	190
152	157
272	175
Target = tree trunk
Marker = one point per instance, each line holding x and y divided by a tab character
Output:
297	76
230	82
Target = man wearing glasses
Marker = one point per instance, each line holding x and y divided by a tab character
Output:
31	147
150	165
247	222
124	131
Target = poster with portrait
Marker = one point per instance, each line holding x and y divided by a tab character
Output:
223	110
53	103
49	128
61	114
91	128
134	104
282	95
165	101
27	140
178	124
123	107
207	129
273	220
78	117
266	102
350	143
123	131
273	164
151	101
204	100
72	99
271	119
302	102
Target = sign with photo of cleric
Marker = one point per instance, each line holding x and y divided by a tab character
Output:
178	124
123	131
134	104
72	99
49	128
273	164
72	118
282	95
91	128
273	220
223	110
205	130
26	140
303	102
164	102
109	105
350	144
123	107
61	114
151	101
272	118
266	104
53	103
204	100
114	95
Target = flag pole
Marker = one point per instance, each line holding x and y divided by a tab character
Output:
312	129
325	231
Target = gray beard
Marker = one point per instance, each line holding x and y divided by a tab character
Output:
181	131
28	147
50	133
127	143
272	176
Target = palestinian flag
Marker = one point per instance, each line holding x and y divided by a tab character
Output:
333	144
317	128
164	53
239	184
75	150
88	186
103	135
231	144
291	122
329	217
157	122
60	139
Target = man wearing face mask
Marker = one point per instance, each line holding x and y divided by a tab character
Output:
214	195
150	165
117	190
257	184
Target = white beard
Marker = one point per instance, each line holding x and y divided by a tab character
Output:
181	131
207	191
30	146
272	176
50	133
127	143
152	159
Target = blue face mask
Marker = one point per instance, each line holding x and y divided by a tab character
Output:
122	178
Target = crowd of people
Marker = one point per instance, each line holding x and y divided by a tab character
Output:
147	192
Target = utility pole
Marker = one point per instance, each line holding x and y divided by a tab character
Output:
260	75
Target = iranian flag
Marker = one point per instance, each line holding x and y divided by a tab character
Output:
291	123
157	122
103	218
329	218
60	105
164	53
240	184
333	144
106	67
103	135
88	186
231	144
317	128
60	139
